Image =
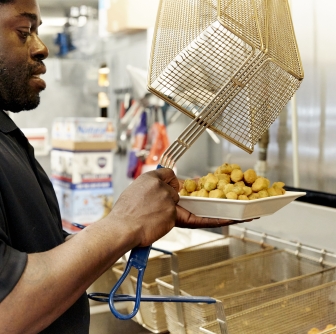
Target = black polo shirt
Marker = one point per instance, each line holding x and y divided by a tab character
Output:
30	220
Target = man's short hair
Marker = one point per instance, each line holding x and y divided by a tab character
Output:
2	2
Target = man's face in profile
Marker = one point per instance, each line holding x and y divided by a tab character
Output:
21	55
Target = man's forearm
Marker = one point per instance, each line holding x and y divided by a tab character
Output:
54	280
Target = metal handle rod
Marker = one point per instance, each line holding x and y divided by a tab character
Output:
176	284
300	250
209	114
221	318
296	175
191	133
105	298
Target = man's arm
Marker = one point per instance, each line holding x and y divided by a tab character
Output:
52	281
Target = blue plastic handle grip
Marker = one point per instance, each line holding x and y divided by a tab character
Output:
138	259
82	227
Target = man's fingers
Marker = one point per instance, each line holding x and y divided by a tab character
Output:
188	220
169	181
168	176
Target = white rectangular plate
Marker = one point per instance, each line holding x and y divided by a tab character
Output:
235	209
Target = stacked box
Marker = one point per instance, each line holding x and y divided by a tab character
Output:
83	203
83	133
81	166
82	169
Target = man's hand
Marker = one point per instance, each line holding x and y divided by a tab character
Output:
147	208
186	219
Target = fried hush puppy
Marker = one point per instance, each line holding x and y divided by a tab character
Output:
184	192
243	198
189	185
229	181
250	176
317	331
330	326
232	195
217	193
221	184
210	182
202	193
314	331
200	183
224	169
223	177
261	183
237	175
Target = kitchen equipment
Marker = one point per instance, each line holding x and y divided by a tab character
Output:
220	280
197	315
236	62
152	315
231	65
298	313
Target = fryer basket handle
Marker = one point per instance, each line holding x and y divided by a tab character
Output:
138	259
104	298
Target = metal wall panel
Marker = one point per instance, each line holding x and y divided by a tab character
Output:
315	28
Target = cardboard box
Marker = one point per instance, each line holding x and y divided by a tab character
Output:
83	146
83	203
81	167
131	15
83	129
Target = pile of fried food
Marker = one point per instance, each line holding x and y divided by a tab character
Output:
317	331
230	182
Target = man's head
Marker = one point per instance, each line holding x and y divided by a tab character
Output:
21	55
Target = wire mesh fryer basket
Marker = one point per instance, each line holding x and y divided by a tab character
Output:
224	279
299	313
200	314
237	56
224	248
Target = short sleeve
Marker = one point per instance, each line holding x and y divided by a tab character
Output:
12	261
65	234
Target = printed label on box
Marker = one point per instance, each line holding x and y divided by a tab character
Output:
82	205
86	206
83	129
81	167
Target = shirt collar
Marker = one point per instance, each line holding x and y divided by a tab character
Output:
6	123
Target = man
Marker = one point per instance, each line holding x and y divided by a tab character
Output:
44	273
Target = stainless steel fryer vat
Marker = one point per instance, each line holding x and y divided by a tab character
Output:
151	314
